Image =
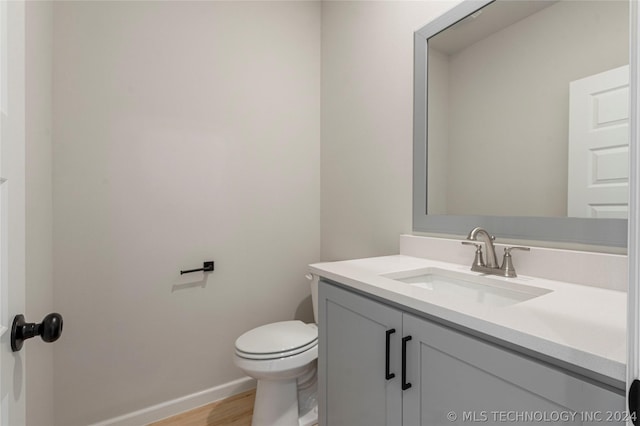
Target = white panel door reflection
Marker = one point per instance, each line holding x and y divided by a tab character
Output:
598	181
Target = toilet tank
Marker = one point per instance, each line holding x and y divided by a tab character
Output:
314	294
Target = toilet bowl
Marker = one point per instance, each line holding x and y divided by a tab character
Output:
282	356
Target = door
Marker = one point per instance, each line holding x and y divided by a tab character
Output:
458	380
598	180
12	206
633	306
360	339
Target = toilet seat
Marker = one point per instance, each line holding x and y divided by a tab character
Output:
276	355
278	367
277	340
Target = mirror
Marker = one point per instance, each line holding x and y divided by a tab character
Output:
503	91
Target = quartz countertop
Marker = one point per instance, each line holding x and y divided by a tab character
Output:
575	324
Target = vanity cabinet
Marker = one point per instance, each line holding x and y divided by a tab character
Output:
451	378
353	333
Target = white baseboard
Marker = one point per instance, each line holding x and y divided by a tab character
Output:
182	404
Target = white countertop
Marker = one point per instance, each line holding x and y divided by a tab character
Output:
580	325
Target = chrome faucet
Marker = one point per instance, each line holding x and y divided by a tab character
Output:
476	237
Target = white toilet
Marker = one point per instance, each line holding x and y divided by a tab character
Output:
282	356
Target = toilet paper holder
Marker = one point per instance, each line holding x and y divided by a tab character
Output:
206	267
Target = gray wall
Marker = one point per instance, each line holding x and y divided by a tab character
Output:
39	209
184	131
191	130
438	119
367	109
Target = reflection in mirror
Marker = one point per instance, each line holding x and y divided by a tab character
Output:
528	109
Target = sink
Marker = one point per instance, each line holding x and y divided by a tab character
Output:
480	289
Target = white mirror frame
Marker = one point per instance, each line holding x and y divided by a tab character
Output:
600	232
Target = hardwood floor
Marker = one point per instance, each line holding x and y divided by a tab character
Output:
233	411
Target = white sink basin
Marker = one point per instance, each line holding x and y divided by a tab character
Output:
481	289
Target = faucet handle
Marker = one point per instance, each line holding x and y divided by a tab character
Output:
478	260
507	250
471	243
507	263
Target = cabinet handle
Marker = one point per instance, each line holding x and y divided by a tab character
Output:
387	374
405	385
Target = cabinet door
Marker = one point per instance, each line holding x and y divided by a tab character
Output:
353	388
457	379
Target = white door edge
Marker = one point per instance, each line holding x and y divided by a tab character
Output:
633	301
3	328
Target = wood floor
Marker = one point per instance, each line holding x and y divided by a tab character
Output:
233	411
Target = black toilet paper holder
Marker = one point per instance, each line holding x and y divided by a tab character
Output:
206	267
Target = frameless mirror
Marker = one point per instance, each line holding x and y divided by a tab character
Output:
521	120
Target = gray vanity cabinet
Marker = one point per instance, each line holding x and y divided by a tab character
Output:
352	357
458	379
455	379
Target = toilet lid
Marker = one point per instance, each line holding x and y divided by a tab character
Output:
277	337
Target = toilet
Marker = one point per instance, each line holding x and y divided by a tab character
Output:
282	357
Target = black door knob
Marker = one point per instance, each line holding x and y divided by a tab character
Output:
49	330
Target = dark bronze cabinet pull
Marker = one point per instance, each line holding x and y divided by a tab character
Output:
405	385
387	374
